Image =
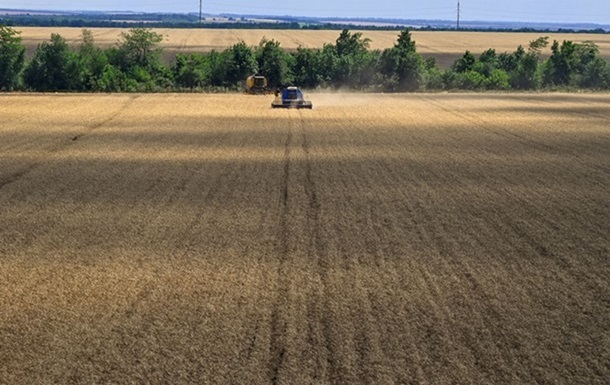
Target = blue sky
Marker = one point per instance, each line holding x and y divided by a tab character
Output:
596	11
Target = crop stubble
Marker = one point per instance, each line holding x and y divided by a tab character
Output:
378	239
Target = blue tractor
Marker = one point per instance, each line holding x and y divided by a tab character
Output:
291	97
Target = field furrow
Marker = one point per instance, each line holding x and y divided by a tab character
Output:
377	239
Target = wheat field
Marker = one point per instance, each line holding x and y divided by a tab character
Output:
376	239
446	46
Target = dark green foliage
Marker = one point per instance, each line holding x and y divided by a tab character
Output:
487	64
364	70
12	58
191	70
348	44
577	65
401	66
139	47
433	76
327	65
92	62
561	63
498	80
522	66
217	68
525	76
517	70
472	80
134	65
113	80
137	58
274	63
465	63
240	63
307	71
53	68
351	64
596	74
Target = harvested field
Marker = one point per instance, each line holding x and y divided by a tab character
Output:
377	239
445	46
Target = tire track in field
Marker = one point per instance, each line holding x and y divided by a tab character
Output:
555	151
530	239
277	344
558	151
16	176
476	120
318	317
104	122
492	315
183	42
511	135
301	245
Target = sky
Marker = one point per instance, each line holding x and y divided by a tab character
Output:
559	11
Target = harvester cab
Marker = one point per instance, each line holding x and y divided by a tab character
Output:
291	97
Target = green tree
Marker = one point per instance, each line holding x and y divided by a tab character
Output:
536	46
526	75
596	74
191	70
523	66
472	80
401	66
328	64
12	58
54	67
351	60
307	71
588	68
91	62
488	62
576	64
465	63
217	67
240	63
498	80
137	56
274	63
113	79
364	70
348	44
433	76
560	65
139	46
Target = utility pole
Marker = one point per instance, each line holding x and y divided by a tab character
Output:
458	15
200	6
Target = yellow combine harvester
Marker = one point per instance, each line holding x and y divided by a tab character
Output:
257	85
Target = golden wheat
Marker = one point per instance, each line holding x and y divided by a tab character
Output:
384	239
445	45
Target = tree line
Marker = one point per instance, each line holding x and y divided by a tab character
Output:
135	64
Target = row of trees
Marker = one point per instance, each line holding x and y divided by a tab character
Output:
135	64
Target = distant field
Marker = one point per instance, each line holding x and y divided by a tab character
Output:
377	239
446	46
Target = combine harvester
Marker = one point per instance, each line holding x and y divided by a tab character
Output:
291	97
257	85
